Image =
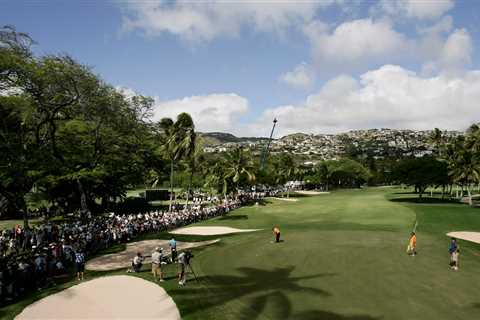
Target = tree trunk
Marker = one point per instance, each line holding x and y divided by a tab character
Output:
171	186
420	192
190	179
470	200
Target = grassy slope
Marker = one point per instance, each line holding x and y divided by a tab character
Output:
343	258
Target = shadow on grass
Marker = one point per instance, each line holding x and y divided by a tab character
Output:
259	287
299	195
476	305
237	217
424	200
261	202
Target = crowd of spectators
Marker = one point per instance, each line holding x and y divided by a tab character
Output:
31	259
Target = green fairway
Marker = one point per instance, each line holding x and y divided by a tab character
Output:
343	257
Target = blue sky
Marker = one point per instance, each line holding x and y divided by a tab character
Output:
327	66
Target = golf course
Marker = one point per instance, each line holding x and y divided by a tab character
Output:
342	257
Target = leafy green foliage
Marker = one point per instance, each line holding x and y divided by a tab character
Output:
422	173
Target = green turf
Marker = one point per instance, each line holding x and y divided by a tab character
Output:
343	258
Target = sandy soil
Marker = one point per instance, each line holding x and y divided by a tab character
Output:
466	235
106	298
311	193
286	199
124	259
210	231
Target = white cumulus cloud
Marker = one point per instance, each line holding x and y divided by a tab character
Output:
418	9
445	53
390	96
301	77
354	43
203	21
214	112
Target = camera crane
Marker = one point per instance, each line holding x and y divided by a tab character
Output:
267	147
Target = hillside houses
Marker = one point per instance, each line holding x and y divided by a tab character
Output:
377	143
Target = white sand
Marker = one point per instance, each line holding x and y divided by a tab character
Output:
116	297
286	199
210	231
124	259
312	193
466	235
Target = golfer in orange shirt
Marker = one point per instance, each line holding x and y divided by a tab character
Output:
276	232
412	244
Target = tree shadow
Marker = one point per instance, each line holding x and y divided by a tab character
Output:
259	287
325	315
405	192
424	200
476	305
234	217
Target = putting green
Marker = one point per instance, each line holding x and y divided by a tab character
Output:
343	258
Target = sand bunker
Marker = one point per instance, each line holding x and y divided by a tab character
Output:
466	235
286	199
311	193
124	259
210	231
101	299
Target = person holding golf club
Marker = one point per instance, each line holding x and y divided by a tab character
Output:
276	233
173	248
412	245
157	256
184	262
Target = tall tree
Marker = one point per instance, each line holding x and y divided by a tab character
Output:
466	170
238	165
421	173
180	138
437	138
287	170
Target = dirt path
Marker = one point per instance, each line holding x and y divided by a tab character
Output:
106	298
124	259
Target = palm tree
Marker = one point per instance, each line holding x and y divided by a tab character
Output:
287	170
466	170
214	173
473	138
237	165
193	163
436	137
323	173
180	140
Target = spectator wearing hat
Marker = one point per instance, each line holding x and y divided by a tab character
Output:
137	262
157	256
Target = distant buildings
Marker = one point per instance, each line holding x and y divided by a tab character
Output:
376	143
